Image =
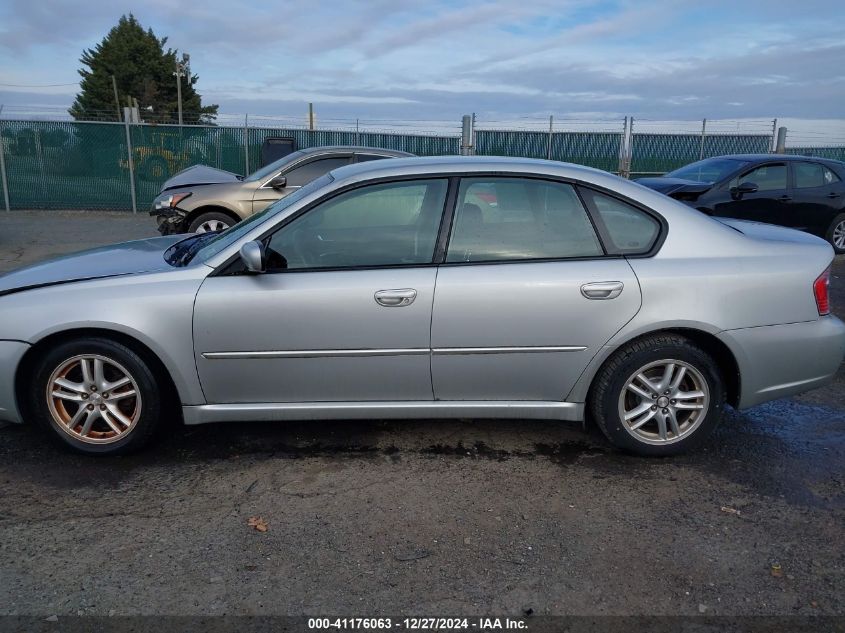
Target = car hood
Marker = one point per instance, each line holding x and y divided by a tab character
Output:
199	175
674	185
138	256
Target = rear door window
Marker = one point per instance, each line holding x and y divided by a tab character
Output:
808	175
506	219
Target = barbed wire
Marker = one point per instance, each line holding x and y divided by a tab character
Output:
796	138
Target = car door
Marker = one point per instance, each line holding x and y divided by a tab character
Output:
527	295
816	197
343	312
768	204
298	174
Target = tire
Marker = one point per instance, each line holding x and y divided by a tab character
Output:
122	423
154	168
210	221
836	234
643	433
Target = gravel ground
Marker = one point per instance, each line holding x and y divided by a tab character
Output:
422	517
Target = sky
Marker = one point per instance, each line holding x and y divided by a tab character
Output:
395	60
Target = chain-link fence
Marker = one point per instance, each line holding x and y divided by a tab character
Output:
101	165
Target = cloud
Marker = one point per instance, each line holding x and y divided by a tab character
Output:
443	58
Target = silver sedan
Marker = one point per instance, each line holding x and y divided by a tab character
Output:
423	288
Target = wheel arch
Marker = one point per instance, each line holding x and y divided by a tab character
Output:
210	208
708	341
27	365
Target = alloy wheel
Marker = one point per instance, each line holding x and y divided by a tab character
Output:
93	399
663	402
839	235
209	226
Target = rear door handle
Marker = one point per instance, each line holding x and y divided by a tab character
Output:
395	298
833	194
785	198
602	289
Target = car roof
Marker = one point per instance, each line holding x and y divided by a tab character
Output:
351	149
459	164
755	158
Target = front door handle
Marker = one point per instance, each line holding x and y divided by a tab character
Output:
785	198
395	298
602	289
833	194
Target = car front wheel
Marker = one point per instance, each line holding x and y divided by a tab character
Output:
658	396
96	396
210	222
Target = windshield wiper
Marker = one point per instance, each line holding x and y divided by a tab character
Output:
185	250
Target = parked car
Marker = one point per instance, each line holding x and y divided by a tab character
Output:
201	198
396	289
800	192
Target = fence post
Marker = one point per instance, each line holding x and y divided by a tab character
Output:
219	136
3	164
623	148
357	133
780	148
246	144
703	133
774	135
551	129
39	153
467	148
131	164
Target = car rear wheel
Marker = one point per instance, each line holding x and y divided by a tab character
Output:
836	234
210	221
658	396
96	396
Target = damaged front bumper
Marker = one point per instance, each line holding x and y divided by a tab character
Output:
170	221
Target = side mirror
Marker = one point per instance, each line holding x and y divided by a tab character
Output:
252	255
279	182
746	187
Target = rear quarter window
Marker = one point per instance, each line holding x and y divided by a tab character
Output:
630	230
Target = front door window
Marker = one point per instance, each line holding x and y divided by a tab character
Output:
389	224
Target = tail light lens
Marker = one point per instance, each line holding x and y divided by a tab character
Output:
821	289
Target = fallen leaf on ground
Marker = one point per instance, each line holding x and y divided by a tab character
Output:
258	523
728	510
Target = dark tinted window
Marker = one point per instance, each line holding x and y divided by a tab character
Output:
766	177
304	174
500	219
812	175
379	225
631	231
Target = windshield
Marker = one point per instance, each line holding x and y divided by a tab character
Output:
205	249
709	170
273	167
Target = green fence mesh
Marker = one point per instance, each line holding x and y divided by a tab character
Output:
659	153
833	153
68	165
74	165
63	165
595	149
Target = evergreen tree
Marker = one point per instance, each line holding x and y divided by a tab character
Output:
144	71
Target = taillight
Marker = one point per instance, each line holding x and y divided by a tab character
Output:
821	288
